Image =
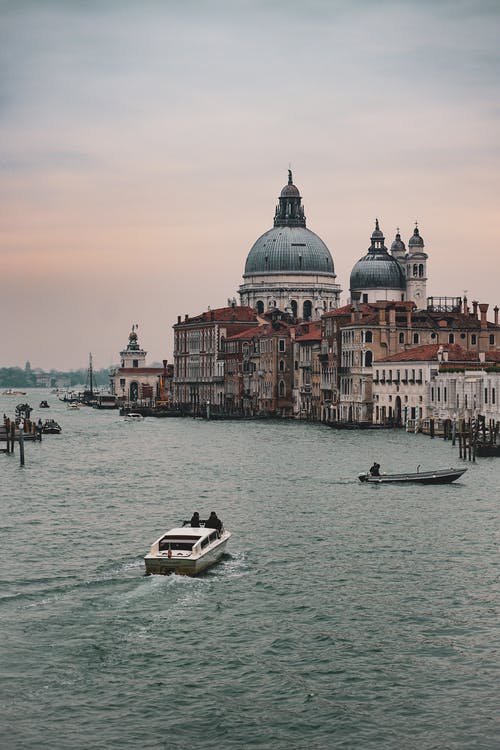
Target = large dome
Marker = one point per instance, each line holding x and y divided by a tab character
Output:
377	269
289	246
289	249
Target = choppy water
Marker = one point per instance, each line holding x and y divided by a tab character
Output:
343	616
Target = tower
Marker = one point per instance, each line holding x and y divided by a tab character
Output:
416	270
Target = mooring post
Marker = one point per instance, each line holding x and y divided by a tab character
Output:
21	448
12	436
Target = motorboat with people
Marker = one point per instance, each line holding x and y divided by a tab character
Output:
133	416
434	476
50	427
44	405
187	550
73	405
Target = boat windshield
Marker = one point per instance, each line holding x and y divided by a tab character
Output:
173	544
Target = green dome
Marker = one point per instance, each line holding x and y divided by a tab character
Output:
289	249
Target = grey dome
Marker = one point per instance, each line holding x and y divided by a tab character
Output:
289	249
377	269
398	246
416	240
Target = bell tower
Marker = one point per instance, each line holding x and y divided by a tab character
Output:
416	270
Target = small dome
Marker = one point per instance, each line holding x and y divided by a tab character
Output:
398	246
416	240
132	336
290	190
377	269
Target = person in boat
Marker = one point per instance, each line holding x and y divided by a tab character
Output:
213	522
375	470
195	520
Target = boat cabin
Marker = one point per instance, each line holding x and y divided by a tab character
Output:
193	541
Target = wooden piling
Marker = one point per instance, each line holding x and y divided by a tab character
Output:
21	448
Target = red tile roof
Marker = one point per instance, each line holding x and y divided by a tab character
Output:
429	353
237	314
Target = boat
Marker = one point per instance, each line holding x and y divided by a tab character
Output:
133	416
487	450
73	405
436	476
12	392
51	427
44	405
186	550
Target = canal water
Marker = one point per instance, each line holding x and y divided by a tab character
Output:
343	615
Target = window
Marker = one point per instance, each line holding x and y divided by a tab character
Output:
473	339
281	345
421	269
415	269
260	307
282	388
365	298
485	395
492	395
401	338
307	310
282	365
368	359
368	337
294	308
492	339
416	338
135	363
451	338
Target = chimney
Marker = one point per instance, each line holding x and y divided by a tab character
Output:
381	316
408	318
185	318
495	310
474	308
178	319
484	309
466	309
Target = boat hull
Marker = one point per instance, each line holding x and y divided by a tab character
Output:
423	477
162	564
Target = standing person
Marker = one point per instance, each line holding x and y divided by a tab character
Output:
213	522
195	520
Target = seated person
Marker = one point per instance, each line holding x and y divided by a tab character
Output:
213	522
195	520
375	470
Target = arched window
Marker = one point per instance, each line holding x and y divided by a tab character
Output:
294	308
259	307
134	391
415	269
421	270
401	338
281	388
282	366
307	310
368	337
368	358
416	338
451	338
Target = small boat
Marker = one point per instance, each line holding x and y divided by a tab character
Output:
44	405
437	476
186	550
51	427
73	405
133	416
12	392
487	450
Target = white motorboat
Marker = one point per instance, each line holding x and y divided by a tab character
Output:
186	550
72	405
133	416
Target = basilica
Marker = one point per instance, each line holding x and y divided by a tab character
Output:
290	268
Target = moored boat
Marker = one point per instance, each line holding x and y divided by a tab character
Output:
436	476
186	550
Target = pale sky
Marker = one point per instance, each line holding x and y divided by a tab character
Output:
143	146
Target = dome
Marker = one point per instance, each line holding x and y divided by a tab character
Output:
289	249
416	240
380	271
377	269
132	336
290	191
398	246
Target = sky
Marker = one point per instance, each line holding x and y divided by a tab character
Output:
143	147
